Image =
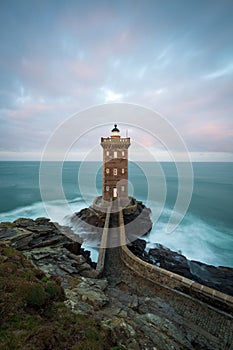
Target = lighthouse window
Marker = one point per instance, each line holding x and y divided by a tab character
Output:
123	171
107	188
123	153
115	154
122	188
114	171
107	171
107	153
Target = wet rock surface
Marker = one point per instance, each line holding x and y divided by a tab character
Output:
220	278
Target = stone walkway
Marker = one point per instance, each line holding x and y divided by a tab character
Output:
190	323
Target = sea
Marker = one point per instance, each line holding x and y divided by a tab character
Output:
204	234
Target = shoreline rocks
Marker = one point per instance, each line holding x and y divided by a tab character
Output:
53	248
220	278
57	250
133	318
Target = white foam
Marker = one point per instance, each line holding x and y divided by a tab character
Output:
94	251
196	239
30	211
56	208
37	209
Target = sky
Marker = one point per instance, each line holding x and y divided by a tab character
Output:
60	57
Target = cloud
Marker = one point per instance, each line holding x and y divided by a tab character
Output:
111	96
228	69
56	59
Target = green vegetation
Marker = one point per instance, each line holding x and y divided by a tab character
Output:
33	315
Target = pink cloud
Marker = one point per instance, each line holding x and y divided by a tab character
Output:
84	70
28	111
214	129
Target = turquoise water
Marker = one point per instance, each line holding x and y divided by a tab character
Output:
205	233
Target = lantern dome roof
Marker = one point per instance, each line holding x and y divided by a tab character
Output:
115	129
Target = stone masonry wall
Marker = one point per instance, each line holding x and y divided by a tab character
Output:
172	280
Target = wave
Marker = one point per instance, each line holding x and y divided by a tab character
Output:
195	239
40	209
32	211
56	210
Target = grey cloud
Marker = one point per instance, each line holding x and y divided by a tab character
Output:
157	53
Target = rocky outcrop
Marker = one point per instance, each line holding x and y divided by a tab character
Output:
220	278
138	222
89	219
134	314
54	249
90	222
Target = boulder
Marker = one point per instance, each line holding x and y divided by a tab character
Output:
170	260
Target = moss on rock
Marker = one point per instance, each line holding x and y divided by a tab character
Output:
32	312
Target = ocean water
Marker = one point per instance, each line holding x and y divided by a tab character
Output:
205	233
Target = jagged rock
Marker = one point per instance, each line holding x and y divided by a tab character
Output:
120	327
23	222
42	229
134	320
8	233
220	278
101	283
48	246
90	291
61	259
76	305
79	259
42	220
137	247
22	240
45	241
88	218
170	260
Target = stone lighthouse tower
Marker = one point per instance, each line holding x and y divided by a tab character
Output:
115	167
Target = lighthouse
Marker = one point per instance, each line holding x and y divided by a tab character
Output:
115	167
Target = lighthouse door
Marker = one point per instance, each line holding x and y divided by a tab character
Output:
114	192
